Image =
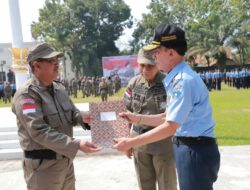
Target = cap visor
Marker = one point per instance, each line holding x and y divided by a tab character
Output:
150	47
146	61
53	54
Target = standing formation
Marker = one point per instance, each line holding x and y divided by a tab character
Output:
93	86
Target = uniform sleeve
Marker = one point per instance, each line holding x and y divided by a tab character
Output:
77	118
28	110
180	101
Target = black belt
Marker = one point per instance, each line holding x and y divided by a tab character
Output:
193	140
41	154
141	130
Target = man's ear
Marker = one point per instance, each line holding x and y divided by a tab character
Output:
36	65
171	52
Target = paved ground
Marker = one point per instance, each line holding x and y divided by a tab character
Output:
116	172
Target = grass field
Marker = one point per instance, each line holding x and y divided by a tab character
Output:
231	111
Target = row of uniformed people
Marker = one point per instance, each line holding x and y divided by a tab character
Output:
90	86
239	78
109	86
212	79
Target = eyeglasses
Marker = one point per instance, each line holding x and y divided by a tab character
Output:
53	60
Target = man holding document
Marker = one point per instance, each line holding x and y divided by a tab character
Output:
45	117
188	114
145	94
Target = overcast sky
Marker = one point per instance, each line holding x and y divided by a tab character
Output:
29	13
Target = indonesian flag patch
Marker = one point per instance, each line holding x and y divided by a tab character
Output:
128	92
28	106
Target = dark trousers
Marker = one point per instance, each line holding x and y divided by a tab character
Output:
197	165
218	84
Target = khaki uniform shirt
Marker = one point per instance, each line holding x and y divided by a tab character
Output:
7	91
103	87
45	117
148	98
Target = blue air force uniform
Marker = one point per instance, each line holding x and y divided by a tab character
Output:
196	151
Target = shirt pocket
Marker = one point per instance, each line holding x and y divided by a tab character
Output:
160	101
137	103
66	106
67	111
51	116
128	101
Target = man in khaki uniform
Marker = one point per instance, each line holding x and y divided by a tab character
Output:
145	94
103	87
110	86
7	93
75	87
117	82
87	86
45	117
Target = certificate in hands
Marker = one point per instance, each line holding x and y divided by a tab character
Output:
106	123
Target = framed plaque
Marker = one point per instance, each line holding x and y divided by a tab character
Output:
106	123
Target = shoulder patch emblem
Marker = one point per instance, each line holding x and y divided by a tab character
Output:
27	100
128	92
29	108
28	105
178	86
177	93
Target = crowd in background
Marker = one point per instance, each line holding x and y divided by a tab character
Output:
107	86
89	86
238	78
7	91
93	86
7	87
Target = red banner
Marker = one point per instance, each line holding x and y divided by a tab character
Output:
125	66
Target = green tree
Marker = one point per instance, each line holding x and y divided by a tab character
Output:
85	29
208	23
241	41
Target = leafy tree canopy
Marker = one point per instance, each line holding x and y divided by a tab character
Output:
209	24
84	29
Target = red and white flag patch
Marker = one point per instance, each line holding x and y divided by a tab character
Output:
128	92
28	106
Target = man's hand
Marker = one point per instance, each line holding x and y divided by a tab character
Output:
122	144
88	147
130	117
86	117
129	153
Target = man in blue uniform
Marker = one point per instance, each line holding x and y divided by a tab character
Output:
188	114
